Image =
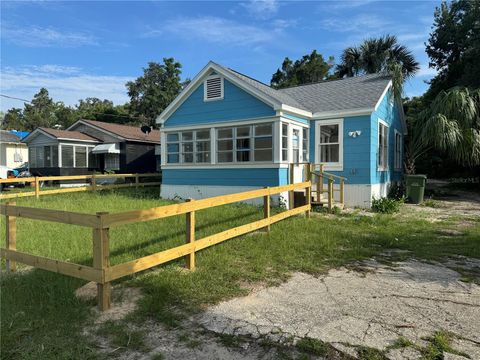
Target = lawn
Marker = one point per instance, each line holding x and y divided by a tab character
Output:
42	319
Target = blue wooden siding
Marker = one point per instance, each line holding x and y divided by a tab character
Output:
236	105
388	113
356	151
258	177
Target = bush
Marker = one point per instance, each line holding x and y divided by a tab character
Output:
386	205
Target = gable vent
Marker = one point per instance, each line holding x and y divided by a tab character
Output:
213	88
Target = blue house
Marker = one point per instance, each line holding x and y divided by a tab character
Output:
227	132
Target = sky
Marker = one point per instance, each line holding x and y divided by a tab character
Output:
92	48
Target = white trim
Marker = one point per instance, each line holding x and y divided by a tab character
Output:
205	99
382	122
244	165
389	85
198	80
330	166
397	167
342	113
294	122
253	121
294	110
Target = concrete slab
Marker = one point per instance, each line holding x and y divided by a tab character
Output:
371	308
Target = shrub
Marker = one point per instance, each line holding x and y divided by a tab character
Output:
386	205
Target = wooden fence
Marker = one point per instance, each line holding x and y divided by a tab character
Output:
93	179
102	272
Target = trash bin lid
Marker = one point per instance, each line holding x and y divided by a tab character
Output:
416	176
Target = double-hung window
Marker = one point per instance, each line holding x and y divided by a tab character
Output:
398	151
263	146
330	143
245	143
382	145
296	145
189	147
173	148
284	142
202	146
305	144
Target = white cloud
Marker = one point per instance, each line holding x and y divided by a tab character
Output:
262	9
215	30
64	83
357	24
343	5
36	36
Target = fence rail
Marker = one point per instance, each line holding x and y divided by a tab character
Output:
101	272
93	186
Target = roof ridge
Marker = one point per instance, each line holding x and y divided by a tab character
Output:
333	80
251	78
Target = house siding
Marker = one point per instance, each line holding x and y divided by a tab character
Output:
258	177
356	151
388	113
236	105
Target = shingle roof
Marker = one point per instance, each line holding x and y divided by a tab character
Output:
345	94
8	137
335	95
127	132
282	97
67	134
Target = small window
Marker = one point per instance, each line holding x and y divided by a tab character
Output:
305	144
398	151
284	142
296	146
80	156
382	146
67	156
263	147
329	143
173	148
213	88
112	162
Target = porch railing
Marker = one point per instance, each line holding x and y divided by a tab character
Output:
324	185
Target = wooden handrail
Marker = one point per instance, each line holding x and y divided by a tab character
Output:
329	174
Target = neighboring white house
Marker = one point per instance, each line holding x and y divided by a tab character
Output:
13	153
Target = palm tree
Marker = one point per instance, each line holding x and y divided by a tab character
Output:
450	124
377	55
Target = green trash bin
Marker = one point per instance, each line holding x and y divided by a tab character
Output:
416	187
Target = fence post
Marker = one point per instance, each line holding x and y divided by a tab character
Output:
291	194
101	261
11	237
266	208
308	199
330	193
342	191
94	182
37	187
190	237
137	180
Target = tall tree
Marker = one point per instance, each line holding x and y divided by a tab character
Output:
13	120
309	69
451	124
151	93
40	112
374	55
454	46
103	110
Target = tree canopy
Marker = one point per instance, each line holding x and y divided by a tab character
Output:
151	93
454	46
309	69
376	55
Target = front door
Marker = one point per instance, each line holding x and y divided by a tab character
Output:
297	153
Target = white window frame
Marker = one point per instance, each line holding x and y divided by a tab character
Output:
383	167
330	166
222	80
287	136
397	156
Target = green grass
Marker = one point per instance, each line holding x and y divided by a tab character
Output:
42	319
